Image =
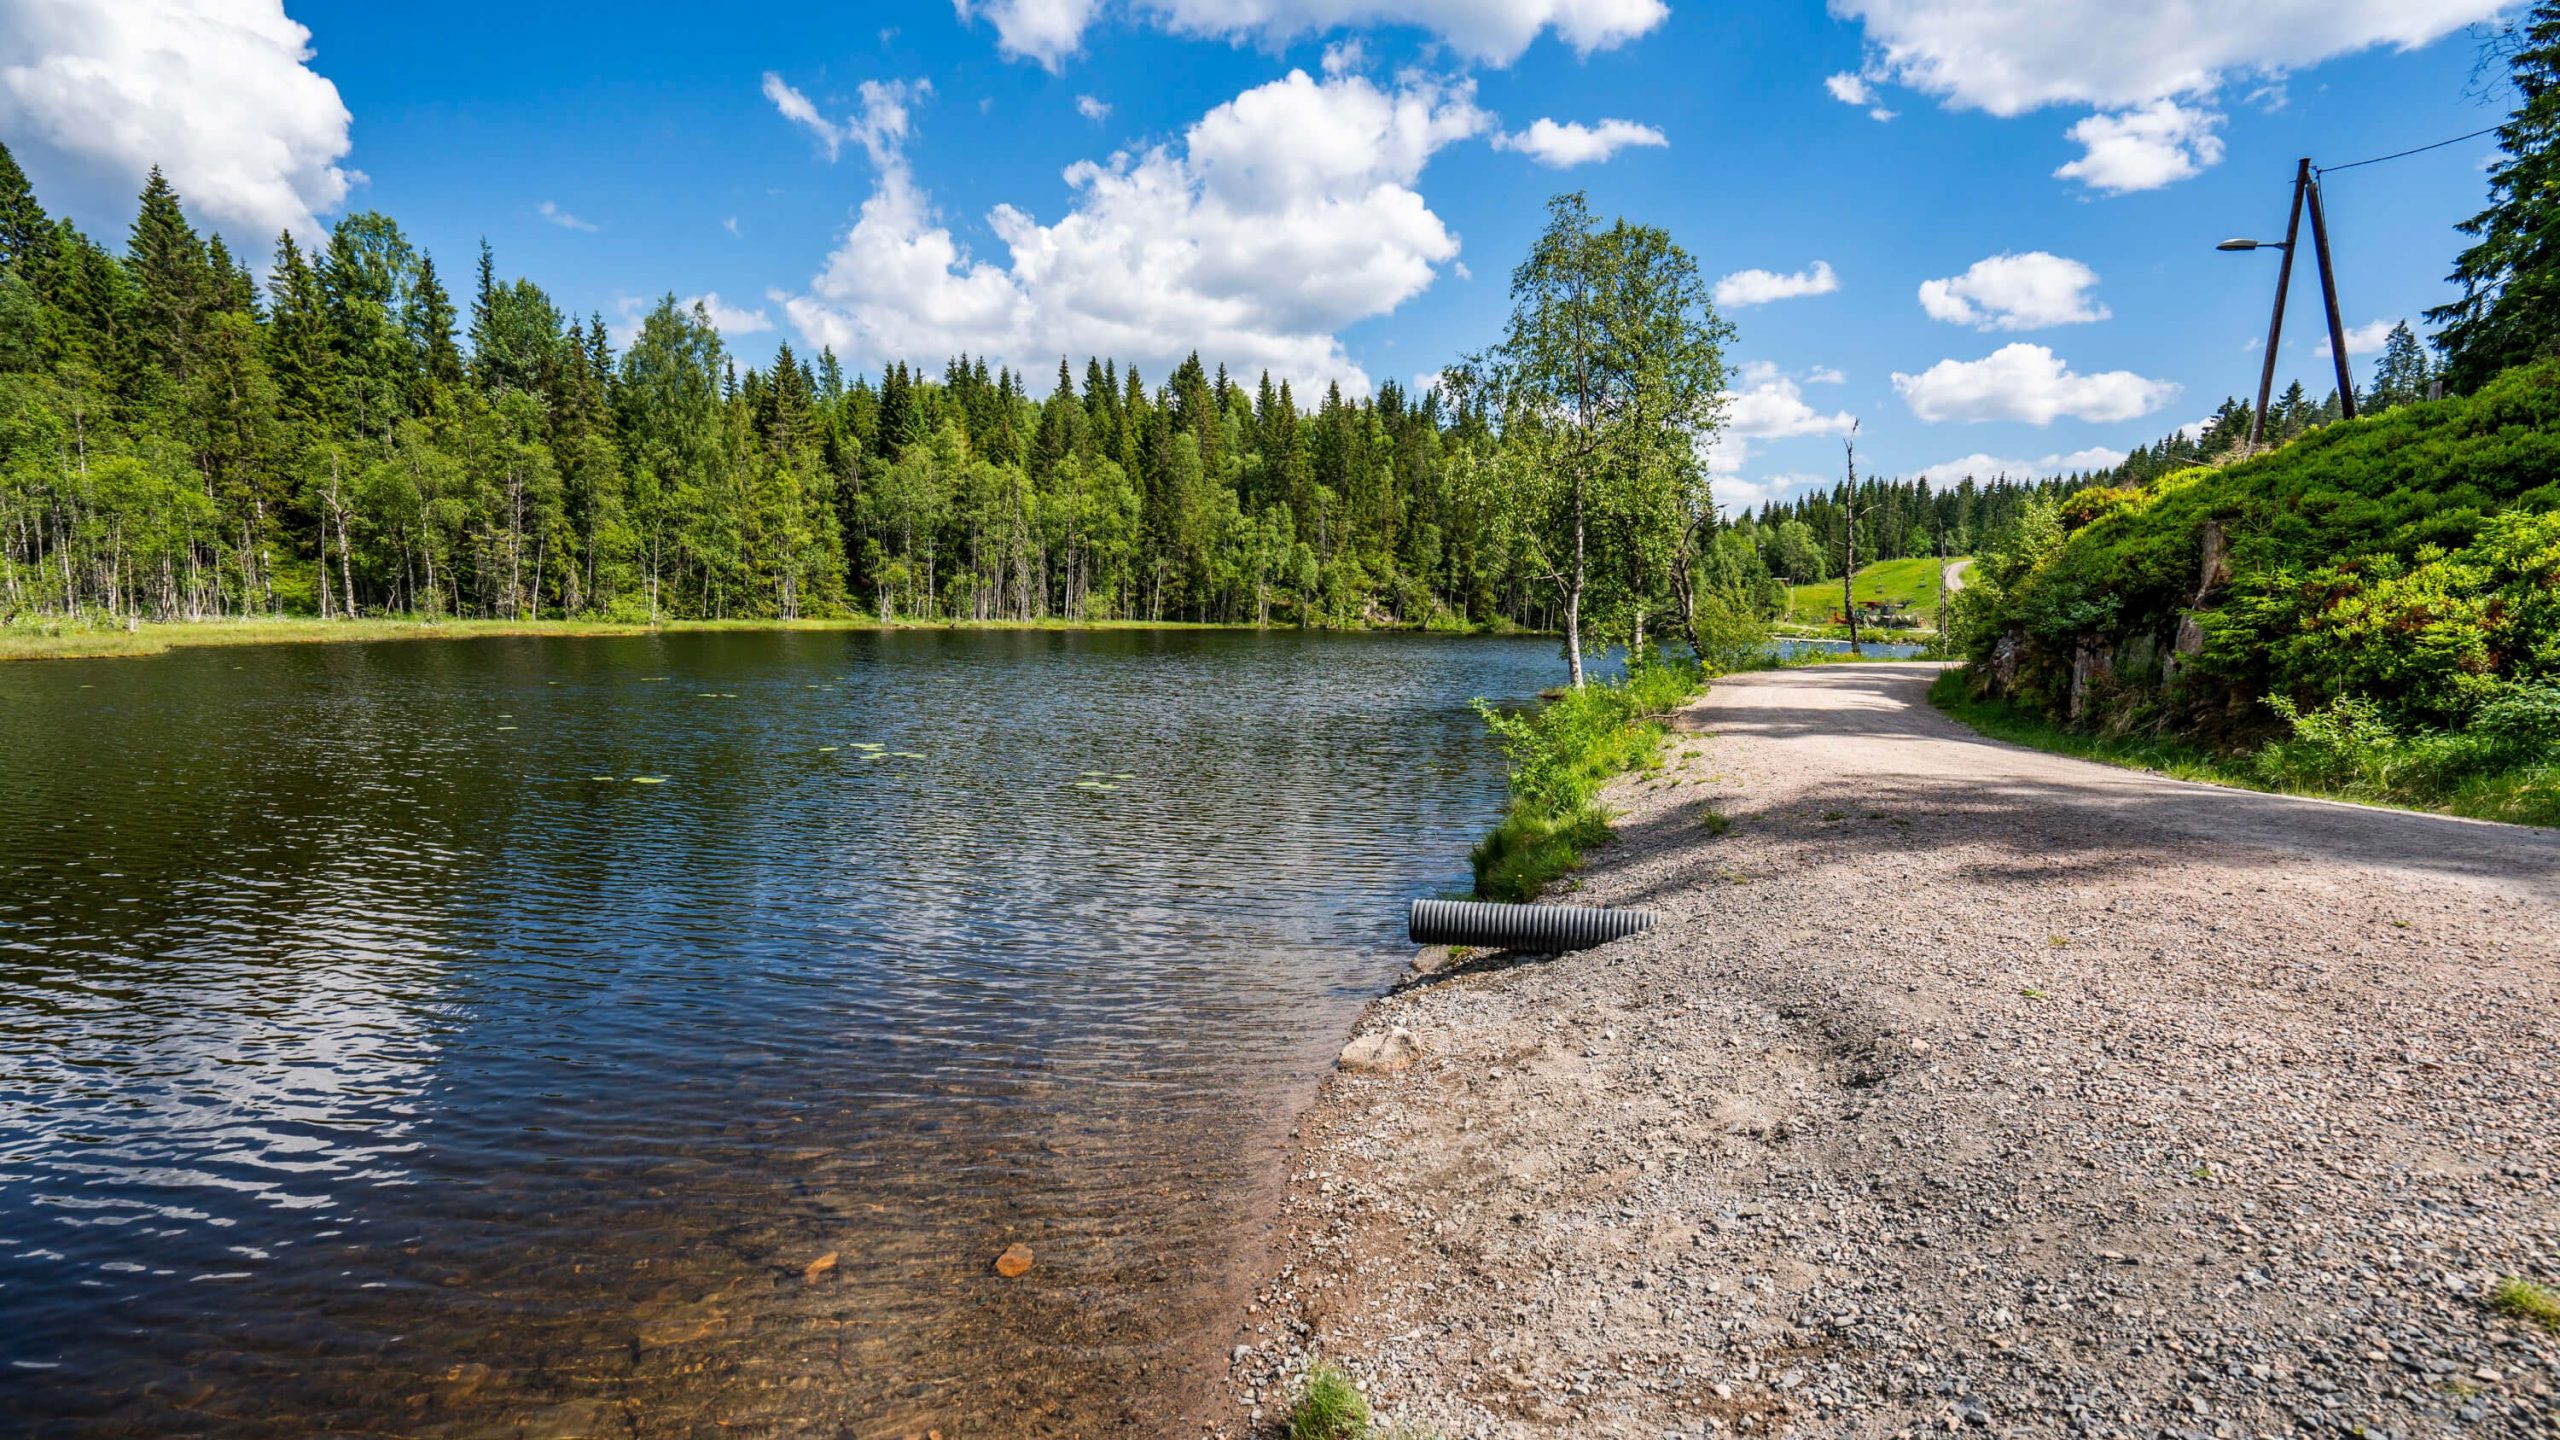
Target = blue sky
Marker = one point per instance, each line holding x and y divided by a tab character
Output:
1338	188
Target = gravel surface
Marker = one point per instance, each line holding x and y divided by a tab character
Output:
1960	1088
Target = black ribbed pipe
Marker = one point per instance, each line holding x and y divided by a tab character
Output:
1544	929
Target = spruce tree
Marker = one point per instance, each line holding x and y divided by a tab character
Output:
173	282
2401	375
428	319
2509	312
26	236
298	340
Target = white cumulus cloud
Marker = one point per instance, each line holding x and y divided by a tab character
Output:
1284	215
220	94
2361	339
2144	148
801	111
1850	88
2015	292
730	320
1574	143
1769	404
1492	31
1981	467
2027	383
2010	57
1093	108
1759	287
551	211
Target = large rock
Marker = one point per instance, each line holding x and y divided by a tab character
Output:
1381	1052
2213	560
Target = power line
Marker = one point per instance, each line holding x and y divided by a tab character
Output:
2420	150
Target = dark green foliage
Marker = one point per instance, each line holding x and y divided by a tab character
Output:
2509	313
1561	754
174	444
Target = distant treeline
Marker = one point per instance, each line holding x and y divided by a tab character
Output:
177	441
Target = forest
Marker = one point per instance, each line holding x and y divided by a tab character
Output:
180	439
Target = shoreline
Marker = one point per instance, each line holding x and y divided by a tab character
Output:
58	640
2101	1114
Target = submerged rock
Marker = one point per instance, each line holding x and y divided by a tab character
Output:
1015	1262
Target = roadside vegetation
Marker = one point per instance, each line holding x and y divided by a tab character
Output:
1561	754
2524	1300
2370	612
1329	1406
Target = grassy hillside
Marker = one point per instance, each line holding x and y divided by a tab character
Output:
2372	609
1912	580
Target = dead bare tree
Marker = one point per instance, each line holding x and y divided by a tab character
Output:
1849	567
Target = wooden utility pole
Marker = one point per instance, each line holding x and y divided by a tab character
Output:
2306	191
2329	298
2275	321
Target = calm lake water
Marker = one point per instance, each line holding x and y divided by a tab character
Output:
369	1061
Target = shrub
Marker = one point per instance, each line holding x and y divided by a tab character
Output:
1560	756
1329	1407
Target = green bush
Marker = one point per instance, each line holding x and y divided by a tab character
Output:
2389	626
1329	1407
1561	754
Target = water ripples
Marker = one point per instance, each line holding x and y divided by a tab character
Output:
368	1062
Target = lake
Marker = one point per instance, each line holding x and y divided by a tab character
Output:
381	1051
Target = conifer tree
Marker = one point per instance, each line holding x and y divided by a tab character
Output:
2509	312
173	284
2401	374
26	235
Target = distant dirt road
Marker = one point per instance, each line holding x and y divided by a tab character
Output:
1951	579
1959	1086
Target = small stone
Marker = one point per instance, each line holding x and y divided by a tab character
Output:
819	1266
1015	1262
1382	1053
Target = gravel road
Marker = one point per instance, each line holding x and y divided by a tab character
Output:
1961	1087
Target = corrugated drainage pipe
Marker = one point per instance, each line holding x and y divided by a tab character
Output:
1544	929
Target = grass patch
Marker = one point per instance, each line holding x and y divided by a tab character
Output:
2523	1300
1329	1407
1714	822
1914	581
84	640
2372	771
1560	757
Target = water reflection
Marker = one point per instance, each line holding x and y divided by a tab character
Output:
369	1062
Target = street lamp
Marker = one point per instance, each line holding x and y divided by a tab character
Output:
2305	189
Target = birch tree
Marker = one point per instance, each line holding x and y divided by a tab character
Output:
1612	362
